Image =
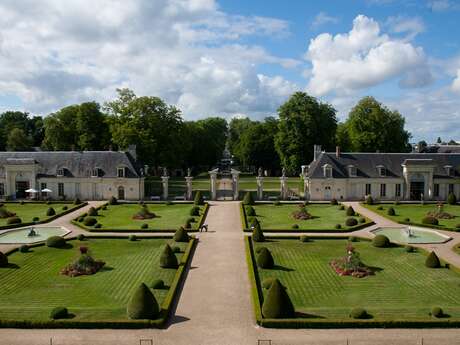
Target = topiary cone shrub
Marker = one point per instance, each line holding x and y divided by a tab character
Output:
257	234
451	199
50	212
3	260
59	313
113	201
92	212
143	304
369	200
351	221
359	313
381	241
55	242
277	304
195	211
158	284
248	199
350	211
198	199
432	261
77	201
391	211
168	259
265	259
181	235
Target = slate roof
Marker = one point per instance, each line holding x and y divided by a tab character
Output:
366	164
74	163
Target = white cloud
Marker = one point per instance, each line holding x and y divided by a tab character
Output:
404	25
323	18
361	58
440	5
456	82
186	51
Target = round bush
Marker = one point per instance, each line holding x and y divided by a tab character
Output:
304	238
457	226
168	259
350	211
277	304
13	220
144	226
59	313
250	211
351	222
35	219
50	212
113	201
334	201
3	260
81	237
295	226
409	249
352	239
24	248
362	220
56	242
132	238
22	203
267	283
430	220
381	241
195	211
158	284
181	235
265	259
437	312
391	211
98	226
432	261
143	304
92	212
89	221
338	226
359	313
65	208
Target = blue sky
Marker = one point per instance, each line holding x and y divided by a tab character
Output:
236	58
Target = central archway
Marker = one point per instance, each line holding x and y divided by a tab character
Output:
224	186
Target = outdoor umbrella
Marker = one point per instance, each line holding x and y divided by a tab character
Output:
31	190
46	190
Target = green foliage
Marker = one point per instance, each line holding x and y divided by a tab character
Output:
181	235
277	304
168	259
391	211
350	211
295	226
315	121
113	201
18	140
338	226
89	221
92	212
409	249
381	241
250	211
265	259
176	249
351	221
267	283
50	212
4	213
342	207
259	249
257	234
304	238
369	200
144	226
352	239
81	237
24	248
143	304
59	313
158	284
362	220
56	242
132	238
198	199
195	211
13	220
334	201
451	199
32	130
437	312
3	260
430	220
144	213
64	208
432	261
77	201
248	199
359	313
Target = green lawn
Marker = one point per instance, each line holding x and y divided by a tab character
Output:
270	183
35	286
280	217
416	212
168	217
28	211
403	288
176	186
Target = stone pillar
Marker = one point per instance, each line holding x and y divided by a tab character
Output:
189	192
260	187
213	175
284	187
235	183
164	180
306	192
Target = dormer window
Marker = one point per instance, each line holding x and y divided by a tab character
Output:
60	172
327	170
352	171
121	171
95	172
449	170
381	170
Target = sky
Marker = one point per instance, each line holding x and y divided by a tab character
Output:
236	58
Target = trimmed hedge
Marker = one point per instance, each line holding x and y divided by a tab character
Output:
92	212
250	211
89	221
181	235
168	259
3	260
143	304
265	259
277	304
198	199
195	211
304	238
381	241
24	248
113	201
451	199
257	234
50	212
351	221
432	261
55	242
248	199
13	220
59	313
437	312
350	211
359	313
158	284
391	211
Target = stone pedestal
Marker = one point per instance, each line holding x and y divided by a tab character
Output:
235	183
306	192
189	192
284	188
213	176
260	187
164	180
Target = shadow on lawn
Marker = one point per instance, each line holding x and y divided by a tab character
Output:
282	268
299	314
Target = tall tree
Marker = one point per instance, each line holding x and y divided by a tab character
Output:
61	129
236	128
10	120
304	121
18	140
373	127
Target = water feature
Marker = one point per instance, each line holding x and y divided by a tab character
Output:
410	234
31	234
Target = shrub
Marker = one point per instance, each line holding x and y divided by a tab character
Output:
258	234
436	312
3	260
350	211
277	305
144	226
391	211
35	219
92	212
24	248
359	313
432	261
77	201
65	208
81	237
451	199
13	220
362	220
175	249
198	199
113	201
143	304
351	221
169	203
430	220
104	207
334	201
342	207
80	219
144	213
89	221
396	202
380	208
381	241
59	313
352	239
368	200
267	283
304	238
132	238
265	259
407	220
195	211
98	226
295	226
338	226
50	212
248	199
4	213
409	249
250	211
56	242
190	220
158	284
181	235
167	258
188	224
277	203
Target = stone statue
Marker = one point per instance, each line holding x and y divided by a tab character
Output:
260	171
283	172
189	172
165	172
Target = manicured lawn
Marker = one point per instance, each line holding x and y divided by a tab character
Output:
168	217
416	212
270	183
402	287
28	211
176	185
280	217
32	288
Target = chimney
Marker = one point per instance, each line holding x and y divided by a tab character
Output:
316	152
337	151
